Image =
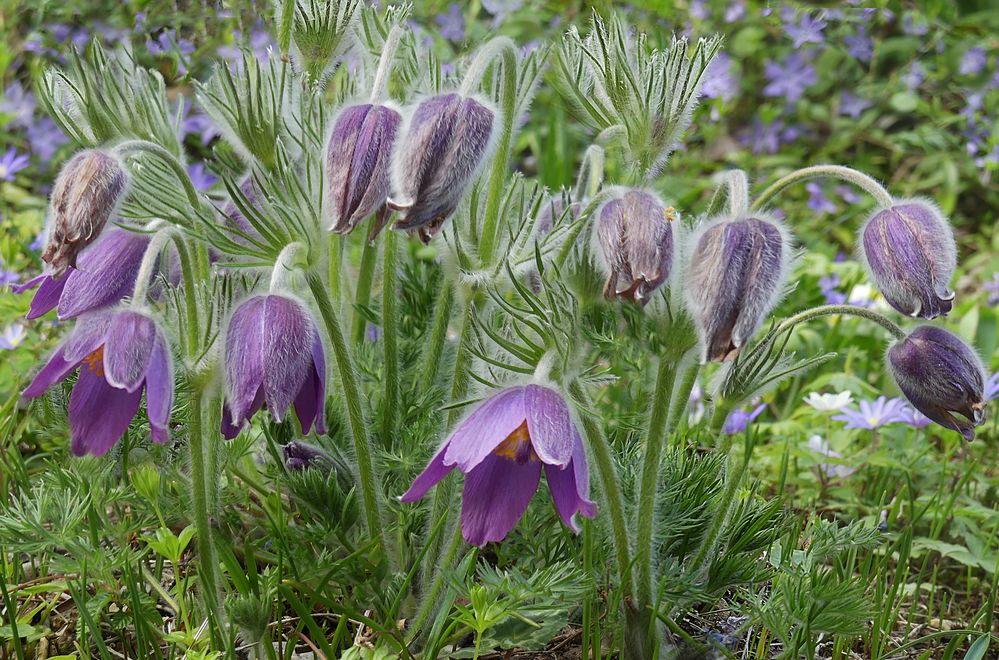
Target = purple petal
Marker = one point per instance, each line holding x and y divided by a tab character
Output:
98	413
495	496
244	360
549	425
434	472
231	424
287	352
127	350
570	487
88	335
310	404
47	296
56	369
105	273
159	390
485	429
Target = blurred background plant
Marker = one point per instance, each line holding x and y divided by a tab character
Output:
906	92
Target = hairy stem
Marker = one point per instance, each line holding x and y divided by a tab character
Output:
385	64
849	310
431	598
198	446
362	296
681	395
438	336
391	377
848	174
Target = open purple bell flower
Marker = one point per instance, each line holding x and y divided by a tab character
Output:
105	273
501	447
273	355
118	352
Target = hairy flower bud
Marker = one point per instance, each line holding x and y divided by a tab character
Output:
636	242
940	375
552	211
300	456
737	269
357	164
83	198
910	252
446	140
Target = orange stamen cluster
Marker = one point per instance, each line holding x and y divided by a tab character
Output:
95	361
517	446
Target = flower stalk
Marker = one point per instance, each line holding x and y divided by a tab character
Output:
848	174
389	338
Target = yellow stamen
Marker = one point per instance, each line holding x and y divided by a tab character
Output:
95	361
670	214
517	446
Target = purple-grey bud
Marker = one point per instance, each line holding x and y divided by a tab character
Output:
300	456
444	145
910	253
552	211
635	237
736	275
84	197
940	375
358	160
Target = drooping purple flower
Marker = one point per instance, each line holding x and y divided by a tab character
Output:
300	456
105	274
452	24
789	78
737	270
273	355
973	61
201	178
358	162
739	420
83	199
992	288
437	159
942	377
635	236
501	448
807	30
118	353
859	45
11	163
872	414
817	200
910	253
852	105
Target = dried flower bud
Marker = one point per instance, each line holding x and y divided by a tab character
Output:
910	252
446	140
83	198
737	269
357	164
940	375
636	242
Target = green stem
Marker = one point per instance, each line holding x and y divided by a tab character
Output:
334	256
462	362
734	470
850	175
430	603
355	416
391	377
604	461
362	296
849	310
503	48
438	336
202	523
654	438
681	396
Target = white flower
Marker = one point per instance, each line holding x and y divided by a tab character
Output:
829	402
12	337
835	470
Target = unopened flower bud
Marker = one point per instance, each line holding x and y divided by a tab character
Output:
552	211
445	143
636	242
910	252
83	198
300	456
940	375
357	164
737	270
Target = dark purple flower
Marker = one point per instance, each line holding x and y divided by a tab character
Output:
808	29
940	376
817	200
118	353
992	288
452	24
910	252
273	355
739	421
445	142
501	448
790	77
201	178
859	45
83	199
973	61
635	236
872	414
852	105
11	163
105	274
736	273
358	160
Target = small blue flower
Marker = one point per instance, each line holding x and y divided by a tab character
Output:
808	29
992	287
973	61
859	45
790	77
852	105
11	163
817	200
739	420
201	178
873	414
452	24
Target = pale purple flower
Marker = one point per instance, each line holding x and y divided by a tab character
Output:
914	418
859	45
739	421
790	77
695	404
852	105
198	123
848	194
201	178
500	9
992	287
830	470
765	137
829	285
872	414
817	200
19	103
915	76
735	11
8	277
699	10
167	43
12	336
719	81
501	448
11	163
38	243
452	24
973	61
45	138
992	387
808	29
913	28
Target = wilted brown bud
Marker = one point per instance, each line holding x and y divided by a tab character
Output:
83	198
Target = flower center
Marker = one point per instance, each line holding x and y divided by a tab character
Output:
517	446
95	361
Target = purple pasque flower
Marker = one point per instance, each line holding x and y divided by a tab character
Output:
358	164
817	200
501	448
201	178
105	274
852	105
11	163
992	288
635	235
941	376
807	30
736	273
872	414
299	456
118	352
790	77
273	355
911	256
973	61
452	24
437	159
739	420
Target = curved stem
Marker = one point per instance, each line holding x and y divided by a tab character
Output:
385	64
149	260
284	265
137	146
738	192
391	376
849	310
850	175
503	48
355	415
